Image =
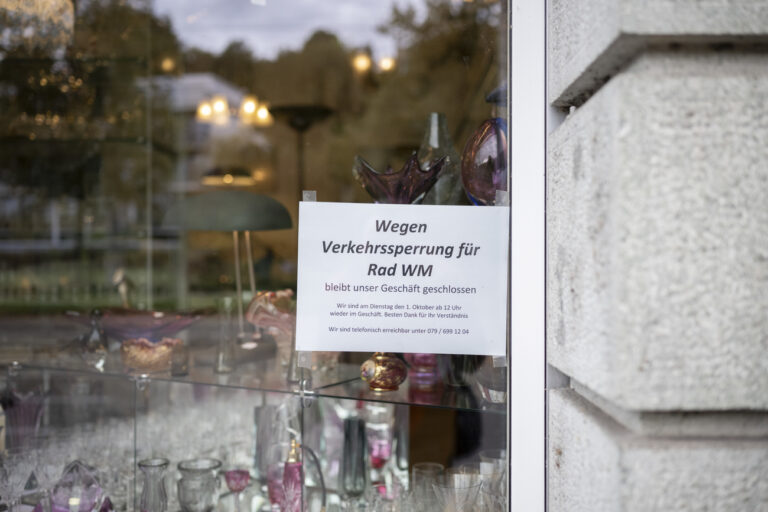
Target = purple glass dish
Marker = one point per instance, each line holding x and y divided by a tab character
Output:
398	187
124	324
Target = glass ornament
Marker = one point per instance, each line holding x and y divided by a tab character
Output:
484	162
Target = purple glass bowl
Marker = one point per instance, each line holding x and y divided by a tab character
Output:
125	324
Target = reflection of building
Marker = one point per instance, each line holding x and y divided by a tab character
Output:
222	143
73	185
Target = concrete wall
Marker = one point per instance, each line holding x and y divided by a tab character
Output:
657	220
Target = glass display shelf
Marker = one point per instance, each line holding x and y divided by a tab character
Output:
341	381
467	397
263	368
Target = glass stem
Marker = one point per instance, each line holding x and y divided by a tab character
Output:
237	502
45	501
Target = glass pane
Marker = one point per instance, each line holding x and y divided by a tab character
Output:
154	155
68	439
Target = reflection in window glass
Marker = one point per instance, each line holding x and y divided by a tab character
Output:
117	116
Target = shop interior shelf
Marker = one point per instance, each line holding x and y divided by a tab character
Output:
341	382
466	397
258	369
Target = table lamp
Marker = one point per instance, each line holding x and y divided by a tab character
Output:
235	211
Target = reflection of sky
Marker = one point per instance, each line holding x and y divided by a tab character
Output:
268	26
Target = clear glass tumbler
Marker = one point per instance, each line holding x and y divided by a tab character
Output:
199	484
153	495
424	475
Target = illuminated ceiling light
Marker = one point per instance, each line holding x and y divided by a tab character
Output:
167	64
262	113
204	111
387	64
232	176
249	106
263	117
259	174
361	62
220	105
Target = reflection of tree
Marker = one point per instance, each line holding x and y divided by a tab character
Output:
75	105
81	118
448	61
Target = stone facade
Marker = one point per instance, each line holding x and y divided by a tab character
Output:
657	255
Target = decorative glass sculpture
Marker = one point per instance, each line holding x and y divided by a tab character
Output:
122	323
436	145
405	186
273	309
153	495
78	489
484	162
384	371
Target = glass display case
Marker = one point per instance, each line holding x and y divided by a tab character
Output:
154	153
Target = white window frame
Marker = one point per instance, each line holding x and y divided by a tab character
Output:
528	125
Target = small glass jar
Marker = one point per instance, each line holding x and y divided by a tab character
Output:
199	484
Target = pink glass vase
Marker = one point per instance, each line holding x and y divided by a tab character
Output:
424	373
293	480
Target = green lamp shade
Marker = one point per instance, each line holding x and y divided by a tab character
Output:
228	210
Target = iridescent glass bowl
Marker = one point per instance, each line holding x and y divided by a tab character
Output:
147	337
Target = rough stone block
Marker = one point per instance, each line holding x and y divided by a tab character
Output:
589	40
657	235
597	466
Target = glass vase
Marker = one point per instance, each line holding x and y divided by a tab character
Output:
225	347
484	162
198	487
353	473
23	414
153	495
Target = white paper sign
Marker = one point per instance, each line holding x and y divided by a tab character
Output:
402	278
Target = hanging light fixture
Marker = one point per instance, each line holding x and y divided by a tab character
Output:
361	62
386	64
204	112
228	177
